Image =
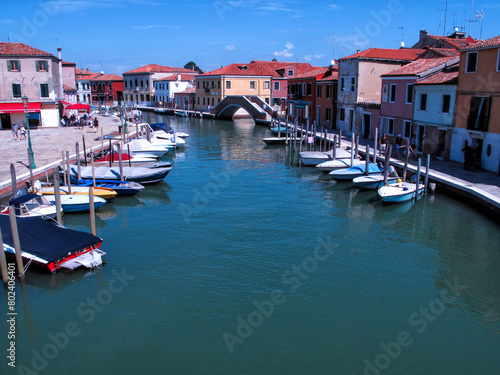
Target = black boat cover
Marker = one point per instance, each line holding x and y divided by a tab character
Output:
46	240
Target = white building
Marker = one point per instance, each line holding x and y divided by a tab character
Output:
165	88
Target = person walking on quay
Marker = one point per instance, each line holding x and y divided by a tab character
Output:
23	132
382	143
399	144
96	124
468	156
15	131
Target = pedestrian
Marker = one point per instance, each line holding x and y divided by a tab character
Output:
15	131
23	132
399	144
468	156
413	146
96	124
382	143
63	122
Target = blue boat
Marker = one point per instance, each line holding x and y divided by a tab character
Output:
121	187
276	130
400	192
76	203
356	171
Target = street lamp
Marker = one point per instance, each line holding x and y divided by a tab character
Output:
30	151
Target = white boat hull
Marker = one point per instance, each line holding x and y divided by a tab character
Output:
332	165
401	192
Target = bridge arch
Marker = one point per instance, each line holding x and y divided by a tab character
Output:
255	106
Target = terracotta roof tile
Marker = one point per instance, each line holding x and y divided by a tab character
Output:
445	77
68	63
107	77
421	66
20	49
333	77
488	43
155	68
280	66
402	54
88	77
190	90
251	69
68	88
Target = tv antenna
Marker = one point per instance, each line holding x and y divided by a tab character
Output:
479	18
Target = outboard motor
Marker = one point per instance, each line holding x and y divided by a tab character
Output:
392	171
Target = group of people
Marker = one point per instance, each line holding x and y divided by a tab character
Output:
81	122
400	146
18	132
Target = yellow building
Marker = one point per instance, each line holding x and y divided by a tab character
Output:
235	79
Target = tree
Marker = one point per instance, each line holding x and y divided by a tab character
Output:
192	66
274	59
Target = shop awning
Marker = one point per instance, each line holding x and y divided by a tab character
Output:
19	107
79	106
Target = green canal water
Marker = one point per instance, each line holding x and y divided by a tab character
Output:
243	262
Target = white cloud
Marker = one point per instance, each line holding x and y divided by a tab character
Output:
334	6
318	56
308	57
230	47
286	52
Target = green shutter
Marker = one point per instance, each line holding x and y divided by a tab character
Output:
9	65
37	65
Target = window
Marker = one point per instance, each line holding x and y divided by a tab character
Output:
203	101
218	100
328	114
446	103
266	85
42	66
290	73
16	90
13	65
479	113
309	88
406	129
252	85
142	83
423	102
303	88
44	90
498	61
392	98
147	84
353	83
213	85
276	86
328	91
342	84
147	98
318	91
125	84
110	98
212	102
228	84
390	130
218	85
136	83
342	114
267	100
198	86
198	98
409	93
471	63
142	97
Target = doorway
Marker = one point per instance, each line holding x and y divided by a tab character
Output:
366	124
5	121
441	143
420	138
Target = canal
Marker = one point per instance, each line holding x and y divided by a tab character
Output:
243	262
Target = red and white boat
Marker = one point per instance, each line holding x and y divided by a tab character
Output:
49	247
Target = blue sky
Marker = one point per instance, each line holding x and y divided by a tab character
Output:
120	35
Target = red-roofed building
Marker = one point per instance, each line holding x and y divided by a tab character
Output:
326	100
456	41
32	72
477	109
138	83
107	90
83	86
359	87
165	88
303	91
398	99
69	82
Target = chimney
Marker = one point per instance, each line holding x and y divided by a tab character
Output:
178	77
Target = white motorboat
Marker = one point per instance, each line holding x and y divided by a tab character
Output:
357	171
373	182
144	148
143	175
76	203
400	192
317	157
31	205
160	137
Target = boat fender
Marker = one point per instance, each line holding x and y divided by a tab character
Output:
399	180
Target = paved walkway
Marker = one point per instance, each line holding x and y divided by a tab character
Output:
47	145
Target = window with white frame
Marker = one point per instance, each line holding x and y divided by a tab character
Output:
16	90
392	97
42	66
409	93
44	90
228	85
390	126
406	129
13	65
290	73
266	85
276	86
252	85
471	62
328	114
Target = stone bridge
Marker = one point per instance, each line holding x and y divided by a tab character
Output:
259	110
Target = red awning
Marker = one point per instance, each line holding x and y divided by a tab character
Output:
79	106
63	102
18	107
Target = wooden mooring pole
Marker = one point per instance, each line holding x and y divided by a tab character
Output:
17	242
387	162
57	194
427	166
